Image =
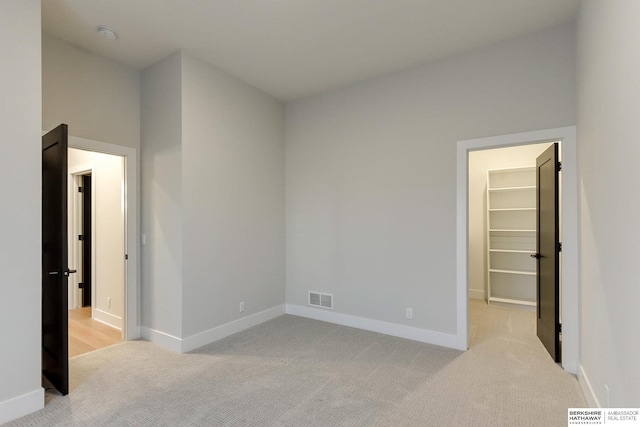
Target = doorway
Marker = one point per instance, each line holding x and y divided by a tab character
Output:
569	219
502	241
130	327
96	250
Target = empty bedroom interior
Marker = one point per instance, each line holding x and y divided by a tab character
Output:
249	201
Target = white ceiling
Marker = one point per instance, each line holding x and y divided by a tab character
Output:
296	48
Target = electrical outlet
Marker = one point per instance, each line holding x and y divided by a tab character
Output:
241	306
409	313
109	302
606	396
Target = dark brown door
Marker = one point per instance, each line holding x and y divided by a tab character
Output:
548	252
86	240
55	351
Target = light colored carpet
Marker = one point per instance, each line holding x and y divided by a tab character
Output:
293	371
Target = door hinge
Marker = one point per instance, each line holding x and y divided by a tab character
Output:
80	285
81	237
559	166
80	189
559	247
126	256
560	328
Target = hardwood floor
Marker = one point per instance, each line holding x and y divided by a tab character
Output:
86	334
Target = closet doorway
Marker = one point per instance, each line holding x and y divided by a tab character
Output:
502	241
502	196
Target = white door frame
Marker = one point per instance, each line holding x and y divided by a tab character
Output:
569	212
131	325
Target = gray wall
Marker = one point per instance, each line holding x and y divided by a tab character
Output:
98	98
233	198
371	173
20	217
213	197
161	163
608	153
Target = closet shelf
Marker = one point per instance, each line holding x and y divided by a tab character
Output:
512	251
510	230
527	187
523	272
511	209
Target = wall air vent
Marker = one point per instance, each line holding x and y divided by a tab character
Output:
318	299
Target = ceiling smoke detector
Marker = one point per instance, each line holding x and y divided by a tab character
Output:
107	33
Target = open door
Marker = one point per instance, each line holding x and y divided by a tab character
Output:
55	271
548	252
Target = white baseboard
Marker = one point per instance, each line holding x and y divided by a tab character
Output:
108	318
162	339
387	328
20	406
184	345
222	331
476	294
587	390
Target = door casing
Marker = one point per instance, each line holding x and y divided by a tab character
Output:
131	329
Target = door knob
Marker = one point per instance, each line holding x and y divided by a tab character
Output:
536	256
